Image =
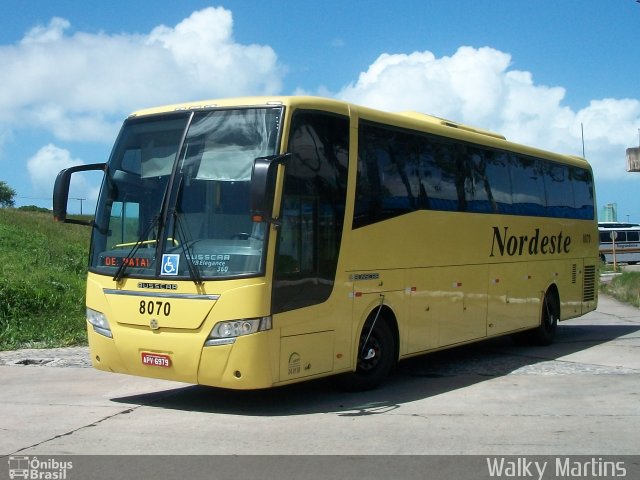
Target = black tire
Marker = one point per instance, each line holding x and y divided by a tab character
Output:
375	359
545	333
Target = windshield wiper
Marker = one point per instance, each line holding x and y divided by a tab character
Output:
141	240
194	272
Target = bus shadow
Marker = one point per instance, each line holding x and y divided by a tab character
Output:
415	379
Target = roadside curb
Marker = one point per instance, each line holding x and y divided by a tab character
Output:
48	357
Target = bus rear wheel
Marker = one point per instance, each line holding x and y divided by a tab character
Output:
545	333
376	357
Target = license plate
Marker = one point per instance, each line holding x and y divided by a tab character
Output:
156	359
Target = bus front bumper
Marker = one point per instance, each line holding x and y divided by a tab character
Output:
246	364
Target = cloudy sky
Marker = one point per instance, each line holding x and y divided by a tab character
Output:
538	71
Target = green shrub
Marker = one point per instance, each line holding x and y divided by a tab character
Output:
43	267
625	287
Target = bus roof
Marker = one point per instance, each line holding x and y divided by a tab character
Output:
410	120
617	225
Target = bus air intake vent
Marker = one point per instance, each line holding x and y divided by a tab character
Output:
589	290
574	270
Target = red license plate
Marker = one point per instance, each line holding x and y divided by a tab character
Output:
156	359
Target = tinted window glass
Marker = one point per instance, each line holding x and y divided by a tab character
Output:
400	171
313	207
497	171
605	237
387	164
558	189
582	193
527	186
477	183
435	179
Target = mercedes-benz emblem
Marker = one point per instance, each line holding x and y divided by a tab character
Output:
153	324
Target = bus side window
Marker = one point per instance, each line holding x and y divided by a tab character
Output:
499	186
582	193
477	185
528	186
559	197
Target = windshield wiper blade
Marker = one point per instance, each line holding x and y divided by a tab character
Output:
141	240
194	272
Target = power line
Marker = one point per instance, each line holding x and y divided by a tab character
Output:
49	198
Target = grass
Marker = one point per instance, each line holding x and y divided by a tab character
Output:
43	267
624	287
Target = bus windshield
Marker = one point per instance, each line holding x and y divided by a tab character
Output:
175	199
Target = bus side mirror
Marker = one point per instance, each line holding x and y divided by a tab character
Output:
263	185
61	191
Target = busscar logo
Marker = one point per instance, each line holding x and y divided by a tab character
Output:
505	243
158	286
356	277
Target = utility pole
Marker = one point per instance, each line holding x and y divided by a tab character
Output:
80	199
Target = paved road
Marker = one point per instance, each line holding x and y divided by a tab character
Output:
579	396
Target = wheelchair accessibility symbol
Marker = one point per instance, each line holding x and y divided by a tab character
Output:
170	262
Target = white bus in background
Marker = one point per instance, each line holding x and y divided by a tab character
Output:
626	245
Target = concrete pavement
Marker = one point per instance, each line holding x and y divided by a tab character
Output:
578	396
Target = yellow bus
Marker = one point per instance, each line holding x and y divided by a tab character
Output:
256	242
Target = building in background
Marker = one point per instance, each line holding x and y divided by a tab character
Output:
609	213
633	159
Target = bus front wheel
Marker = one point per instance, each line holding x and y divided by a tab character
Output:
376	357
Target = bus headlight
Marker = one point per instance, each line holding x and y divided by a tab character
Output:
224	333
99	322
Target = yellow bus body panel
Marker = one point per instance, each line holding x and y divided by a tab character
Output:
457	286
250	362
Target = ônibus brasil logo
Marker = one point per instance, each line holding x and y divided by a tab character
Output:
37	469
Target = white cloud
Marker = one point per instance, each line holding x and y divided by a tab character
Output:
477	86
41	34
470	83
203	49
79	86
44	166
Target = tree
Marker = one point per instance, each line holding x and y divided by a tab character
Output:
6	195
